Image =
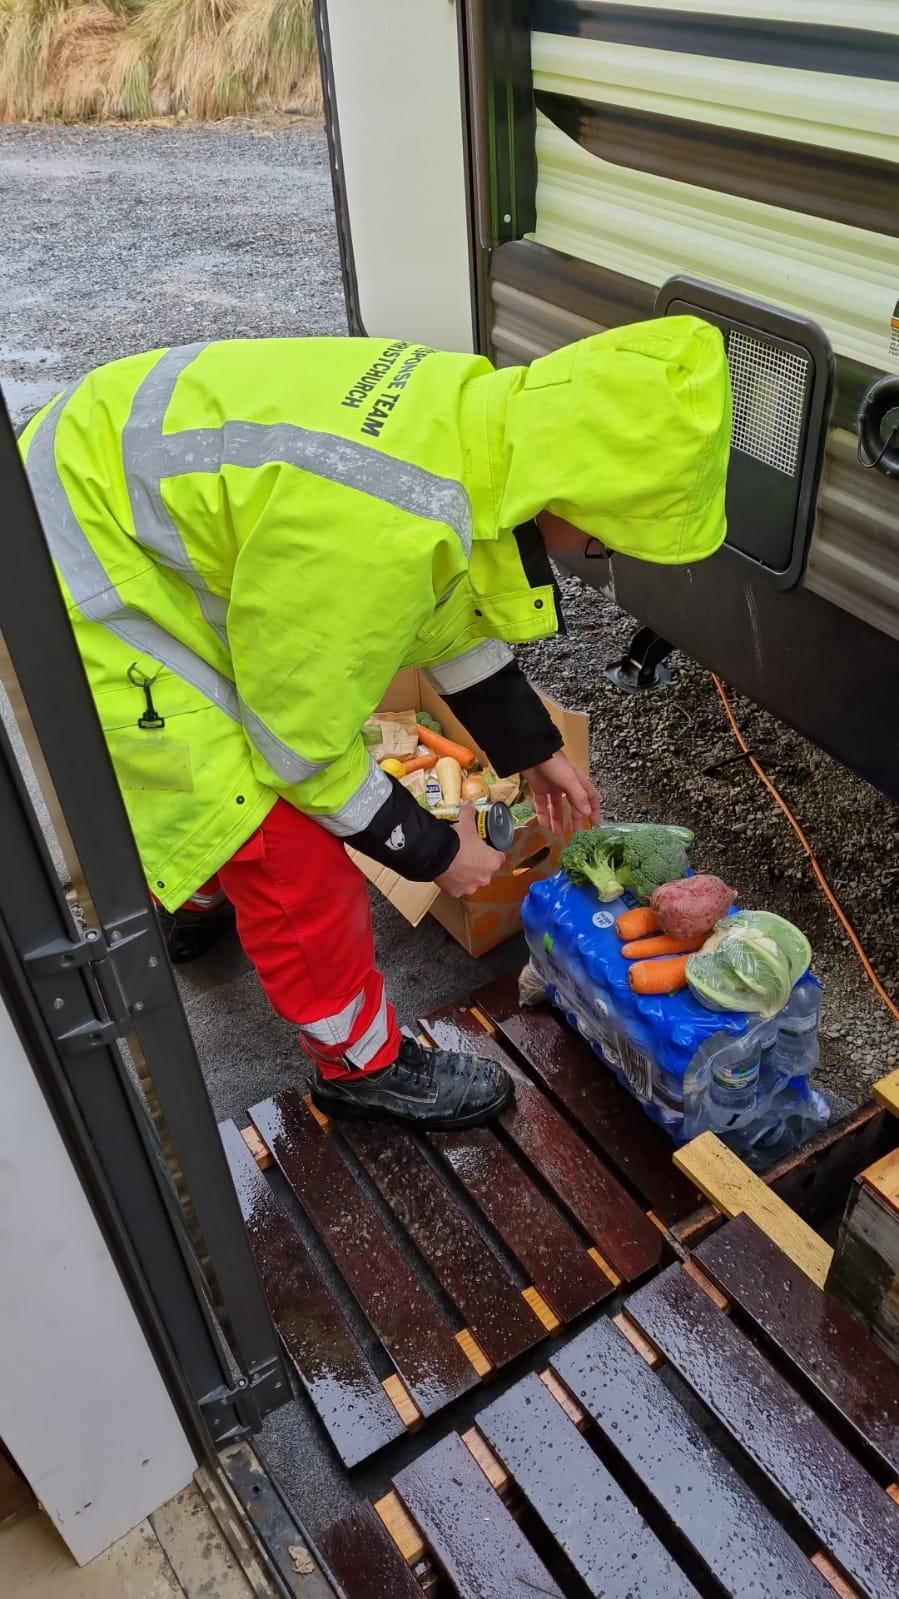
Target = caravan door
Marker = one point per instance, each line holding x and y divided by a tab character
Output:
396	126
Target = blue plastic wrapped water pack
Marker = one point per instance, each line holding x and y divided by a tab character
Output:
694	1070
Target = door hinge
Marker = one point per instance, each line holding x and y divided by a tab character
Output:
233	1412
92	985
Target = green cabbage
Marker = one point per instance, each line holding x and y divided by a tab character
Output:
790	941
750	963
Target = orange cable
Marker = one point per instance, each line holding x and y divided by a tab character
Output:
779	800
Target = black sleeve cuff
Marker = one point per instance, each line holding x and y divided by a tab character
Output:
506	717
407	838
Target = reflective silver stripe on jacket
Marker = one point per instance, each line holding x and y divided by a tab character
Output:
97	599
153	524
89	584
142	445
463	671
325	455
362	807
365	1049
151	455
337	1029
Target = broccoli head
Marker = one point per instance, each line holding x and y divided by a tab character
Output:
611	859
591	860
524	811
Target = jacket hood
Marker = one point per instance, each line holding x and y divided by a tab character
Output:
626	435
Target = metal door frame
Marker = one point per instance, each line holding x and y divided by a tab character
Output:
152	1163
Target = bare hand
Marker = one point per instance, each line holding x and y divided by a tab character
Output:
554	781
475	862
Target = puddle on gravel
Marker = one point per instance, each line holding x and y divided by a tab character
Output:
15	355
26	394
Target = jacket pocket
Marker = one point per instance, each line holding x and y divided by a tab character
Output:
517	617
151	762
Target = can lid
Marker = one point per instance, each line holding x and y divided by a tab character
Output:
500	825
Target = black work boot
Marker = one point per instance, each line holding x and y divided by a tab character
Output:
189	934
427	1088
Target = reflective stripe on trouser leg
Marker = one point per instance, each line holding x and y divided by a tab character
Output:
362	1036
304	919
208	897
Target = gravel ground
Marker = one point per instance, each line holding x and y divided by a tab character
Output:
122	239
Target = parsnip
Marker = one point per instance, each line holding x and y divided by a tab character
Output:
449	775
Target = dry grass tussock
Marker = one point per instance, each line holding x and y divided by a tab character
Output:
86	59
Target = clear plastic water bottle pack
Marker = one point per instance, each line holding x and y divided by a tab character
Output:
693	1066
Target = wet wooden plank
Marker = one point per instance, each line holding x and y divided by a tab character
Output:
573	1077
578	1501
615	1222
401	1528
812	1330
484	1294
864	1273
886	1092
468	1528
260	1154
409	1324
736	1190
531	1229
355	1411
736	1538
854	1519
884	1177
815	1179
365	1560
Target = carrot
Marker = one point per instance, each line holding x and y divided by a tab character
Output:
659	977
638	923
661	944
420	763
445	746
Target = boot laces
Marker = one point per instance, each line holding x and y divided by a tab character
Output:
418	1063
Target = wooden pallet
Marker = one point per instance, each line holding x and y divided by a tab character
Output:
526	1226
429	1358
595	1478
532	1190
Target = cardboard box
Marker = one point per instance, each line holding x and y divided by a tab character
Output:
482	920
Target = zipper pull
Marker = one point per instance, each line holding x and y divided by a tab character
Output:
150	718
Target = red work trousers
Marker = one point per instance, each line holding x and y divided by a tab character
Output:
304	920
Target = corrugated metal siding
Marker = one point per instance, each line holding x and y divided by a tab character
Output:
646	225
854	559
877	15
651	228
813	107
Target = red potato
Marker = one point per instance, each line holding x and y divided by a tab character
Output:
691	908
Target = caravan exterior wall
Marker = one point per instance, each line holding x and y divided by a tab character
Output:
753	144
758	152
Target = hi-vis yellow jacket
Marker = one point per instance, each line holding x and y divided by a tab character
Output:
266	531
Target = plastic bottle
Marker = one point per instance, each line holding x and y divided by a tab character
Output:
795	1049
722	1086
733	1090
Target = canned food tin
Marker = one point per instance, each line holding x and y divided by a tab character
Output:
496	825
